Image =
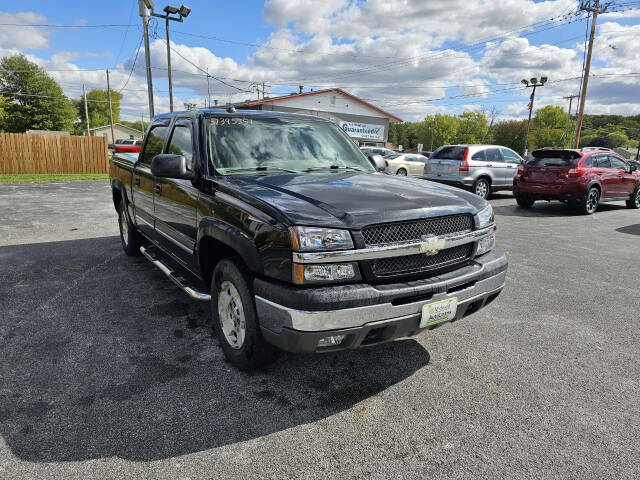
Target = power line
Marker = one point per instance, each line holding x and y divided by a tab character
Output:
52	25
133	65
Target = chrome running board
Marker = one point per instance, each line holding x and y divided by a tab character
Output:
205	297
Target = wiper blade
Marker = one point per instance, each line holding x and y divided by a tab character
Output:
261	169
334	167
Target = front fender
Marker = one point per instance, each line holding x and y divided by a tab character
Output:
235	239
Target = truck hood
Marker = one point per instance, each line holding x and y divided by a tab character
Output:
350	199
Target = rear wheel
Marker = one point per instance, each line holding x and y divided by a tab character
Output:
129	236
634	201
402	172
235	320
482	188
524	201
591	201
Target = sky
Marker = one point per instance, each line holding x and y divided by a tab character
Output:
411	58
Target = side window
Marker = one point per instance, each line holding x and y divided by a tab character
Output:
493	155
479	156
153	146
589	162
181	143
617	163
603	161
510	156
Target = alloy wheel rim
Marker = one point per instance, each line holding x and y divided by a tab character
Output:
638	198
481	189
231	315
592	201
124	226
402	173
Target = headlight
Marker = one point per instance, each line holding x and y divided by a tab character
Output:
329	272
484	217
314	238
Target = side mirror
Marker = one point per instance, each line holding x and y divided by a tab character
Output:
632	168
378	162
169	165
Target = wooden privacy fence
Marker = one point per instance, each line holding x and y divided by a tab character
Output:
22	153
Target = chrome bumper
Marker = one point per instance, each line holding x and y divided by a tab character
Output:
276	317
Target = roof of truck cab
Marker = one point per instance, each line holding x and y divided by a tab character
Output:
241	112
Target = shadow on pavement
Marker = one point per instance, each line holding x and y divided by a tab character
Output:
630	229
543	208
103	356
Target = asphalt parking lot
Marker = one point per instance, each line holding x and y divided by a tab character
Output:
109	371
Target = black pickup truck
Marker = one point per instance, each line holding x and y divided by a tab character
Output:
294	236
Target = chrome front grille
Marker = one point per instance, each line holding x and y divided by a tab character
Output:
399	232
413	231
417	263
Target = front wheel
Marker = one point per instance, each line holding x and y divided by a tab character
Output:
634	201
235	319
129	236
402	172
481	188
591	201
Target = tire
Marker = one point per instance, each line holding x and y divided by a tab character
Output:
129	236
525	202
634	202
591	201
482	188
235	320
402	172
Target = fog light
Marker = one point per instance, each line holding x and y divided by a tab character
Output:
486	244
331	341
315	273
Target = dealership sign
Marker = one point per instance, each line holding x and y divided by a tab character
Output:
363	130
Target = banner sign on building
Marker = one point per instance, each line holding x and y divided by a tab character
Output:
363	130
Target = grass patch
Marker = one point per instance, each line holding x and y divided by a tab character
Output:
66	177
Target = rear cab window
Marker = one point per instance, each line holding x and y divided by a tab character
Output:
449	152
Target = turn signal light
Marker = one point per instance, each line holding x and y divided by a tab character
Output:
464	163
575	172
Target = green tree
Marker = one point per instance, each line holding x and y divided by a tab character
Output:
3	112
442	129
510	134
98	106
472	127
547	129
35	100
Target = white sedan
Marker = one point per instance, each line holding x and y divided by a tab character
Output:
405	165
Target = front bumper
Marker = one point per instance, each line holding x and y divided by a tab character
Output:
295	319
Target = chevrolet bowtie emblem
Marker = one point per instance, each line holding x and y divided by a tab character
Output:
430	244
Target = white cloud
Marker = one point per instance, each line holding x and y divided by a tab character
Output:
16	38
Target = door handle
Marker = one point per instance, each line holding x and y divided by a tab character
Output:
157	189
136	181
489	165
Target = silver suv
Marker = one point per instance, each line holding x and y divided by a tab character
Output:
481	168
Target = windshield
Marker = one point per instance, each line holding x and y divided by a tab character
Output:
243	143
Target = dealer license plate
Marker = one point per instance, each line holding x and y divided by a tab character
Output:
438	312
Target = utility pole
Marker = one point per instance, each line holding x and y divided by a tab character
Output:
142	124
143	8
208	88
534	84
86	109
113	136
183	12
565	135
595	9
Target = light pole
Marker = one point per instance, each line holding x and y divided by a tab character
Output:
183	12
531	83
143	7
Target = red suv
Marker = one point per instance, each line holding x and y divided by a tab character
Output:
577	178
